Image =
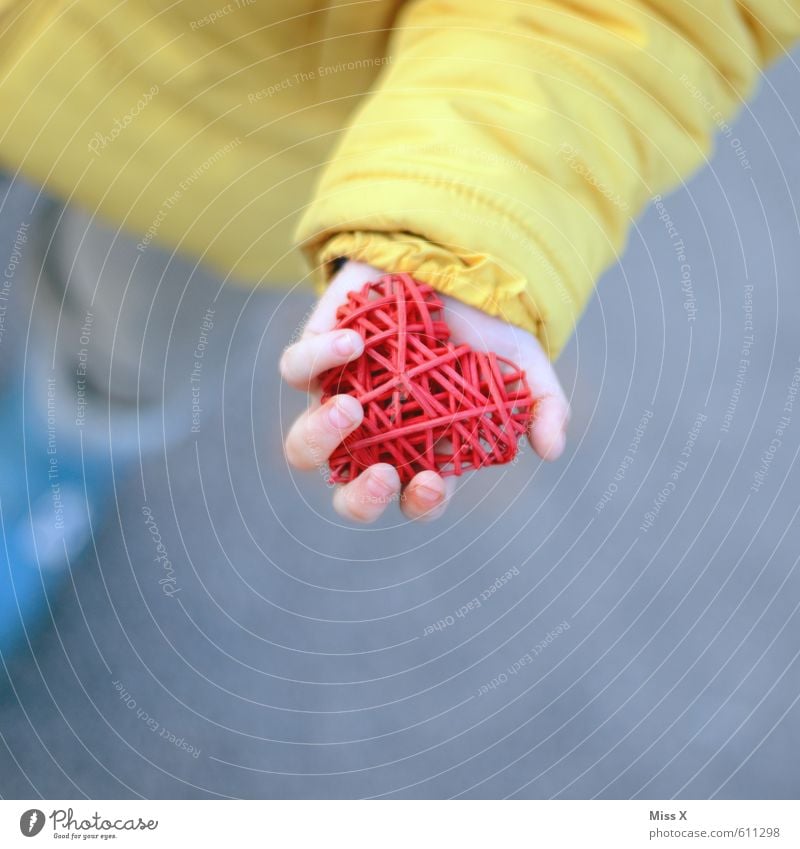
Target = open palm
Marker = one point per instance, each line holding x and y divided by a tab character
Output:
321	428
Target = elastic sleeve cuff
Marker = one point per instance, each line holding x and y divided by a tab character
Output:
476	277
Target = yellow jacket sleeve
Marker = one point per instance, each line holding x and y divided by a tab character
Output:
510	142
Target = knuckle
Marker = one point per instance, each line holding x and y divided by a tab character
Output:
347	509
296	456
364	517
291	453
359	509
316	449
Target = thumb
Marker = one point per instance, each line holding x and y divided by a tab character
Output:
350	277
548	429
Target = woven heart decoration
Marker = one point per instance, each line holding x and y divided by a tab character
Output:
428	404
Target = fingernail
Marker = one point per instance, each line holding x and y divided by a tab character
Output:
343	412
347	343
381	482
428	494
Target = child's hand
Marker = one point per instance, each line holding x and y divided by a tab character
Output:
319	430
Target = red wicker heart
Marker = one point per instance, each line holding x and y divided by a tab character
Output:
428	404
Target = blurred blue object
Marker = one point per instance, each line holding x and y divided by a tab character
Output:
52	498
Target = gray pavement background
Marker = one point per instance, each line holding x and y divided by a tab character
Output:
295	657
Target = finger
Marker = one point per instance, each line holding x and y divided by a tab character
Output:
547	432
365	498
351	277
548	429
318	431
303	361
426	496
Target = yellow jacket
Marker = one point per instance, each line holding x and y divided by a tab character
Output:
496	149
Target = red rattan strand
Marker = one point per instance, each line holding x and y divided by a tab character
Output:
428	404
